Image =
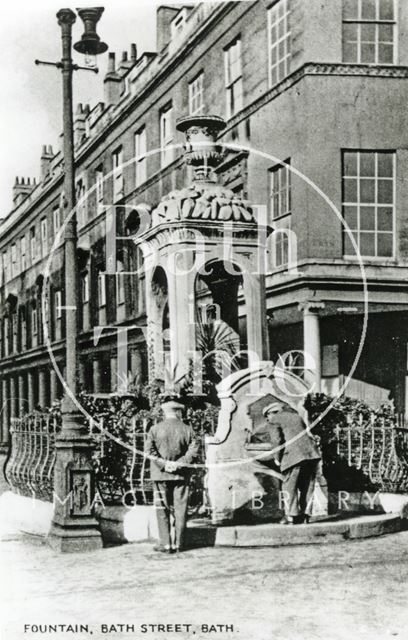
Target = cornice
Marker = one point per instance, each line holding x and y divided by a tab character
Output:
316	69
308	69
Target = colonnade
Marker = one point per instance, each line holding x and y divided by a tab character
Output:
25	390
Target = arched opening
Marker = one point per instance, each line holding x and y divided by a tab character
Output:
221	327
159	321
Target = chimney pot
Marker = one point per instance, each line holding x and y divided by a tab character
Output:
111	62
124	56
133	52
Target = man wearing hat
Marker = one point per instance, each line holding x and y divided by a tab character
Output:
171	446
298	458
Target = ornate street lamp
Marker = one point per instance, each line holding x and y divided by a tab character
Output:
74	527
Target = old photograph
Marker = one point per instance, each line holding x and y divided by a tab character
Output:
204	320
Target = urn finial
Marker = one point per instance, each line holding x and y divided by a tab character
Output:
201	149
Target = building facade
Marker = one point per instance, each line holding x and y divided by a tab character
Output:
313	94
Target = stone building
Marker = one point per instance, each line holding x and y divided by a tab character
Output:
315	93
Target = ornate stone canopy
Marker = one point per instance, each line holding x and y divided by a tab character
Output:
202	202
204	199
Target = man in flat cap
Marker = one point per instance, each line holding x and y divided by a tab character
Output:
298	458
171	446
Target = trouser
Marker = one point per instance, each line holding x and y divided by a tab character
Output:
171	498
298	488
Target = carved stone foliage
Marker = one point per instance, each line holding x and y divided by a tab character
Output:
207	202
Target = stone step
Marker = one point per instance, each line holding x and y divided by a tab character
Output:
330	531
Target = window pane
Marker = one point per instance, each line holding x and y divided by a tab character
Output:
385	245
385	53
367	53
384	219
367	164
350	52
350	164
367	218
386	10
349	32
350	216
385	165
386	32
350	190
349	250
367	244
367	190
368	33
368	9
385	191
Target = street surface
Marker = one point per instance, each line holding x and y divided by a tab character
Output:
348	591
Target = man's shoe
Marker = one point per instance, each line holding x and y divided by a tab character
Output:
161	549
286	520
306	519
178	549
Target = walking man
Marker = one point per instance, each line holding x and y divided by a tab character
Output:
171	446
298	459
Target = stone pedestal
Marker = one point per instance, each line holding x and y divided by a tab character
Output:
242	485
74	527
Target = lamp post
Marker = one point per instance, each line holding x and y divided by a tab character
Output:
74	527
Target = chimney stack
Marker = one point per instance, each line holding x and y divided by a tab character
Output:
112	81
82	112
164	17
128	62
45	162
22	188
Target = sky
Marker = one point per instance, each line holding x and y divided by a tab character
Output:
31	104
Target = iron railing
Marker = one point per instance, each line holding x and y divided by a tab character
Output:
29	468
378	449
122	473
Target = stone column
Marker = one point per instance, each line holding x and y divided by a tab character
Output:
42	389
311	344
81	375
136	364
53	386
257	330
31	392
97	375
5	416
13	397
22	399
181	276
113	371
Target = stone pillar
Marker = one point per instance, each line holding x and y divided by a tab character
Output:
257	329
311	344
53	386
22	396
136	364
31	391
42	388
113	371
13	397
181	276
81	375
97	375
5	415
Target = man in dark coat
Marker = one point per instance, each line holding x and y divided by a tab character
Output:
171	446
298	459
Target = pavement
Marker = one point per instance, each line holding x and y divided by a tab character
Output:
350	590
